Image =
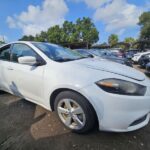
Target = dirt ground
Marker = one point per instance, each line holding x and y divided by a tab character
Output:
26	126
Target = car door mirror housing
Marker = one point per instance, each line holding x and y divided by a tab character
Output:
27	60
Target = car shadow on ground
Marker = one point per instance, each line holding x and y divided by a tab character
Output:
26	126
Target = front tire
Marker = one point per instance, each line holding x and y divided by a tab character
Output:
75	112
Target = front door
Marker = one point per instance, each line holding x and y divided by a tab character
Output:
26	80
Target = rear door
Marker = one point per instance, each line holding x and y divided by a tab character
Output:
26	80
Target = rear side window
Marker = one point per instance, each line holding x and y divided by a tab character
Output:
21	50
5	53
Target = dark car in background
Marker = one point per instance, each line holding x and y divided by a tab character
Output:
105	54
130	53
144	60
117	52
148	68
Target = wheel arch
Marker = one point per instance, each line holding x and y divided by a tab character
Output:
57	91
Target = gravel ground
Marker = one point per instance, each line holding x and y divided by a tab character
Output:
26	126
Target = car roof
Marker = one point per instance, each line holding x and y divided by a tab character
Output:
25	42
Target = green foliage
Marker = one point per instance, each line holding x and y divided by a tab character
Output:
86	30
69	32
129	40
27	38
144	22
83	30
41	38
113	40
145	32
54	34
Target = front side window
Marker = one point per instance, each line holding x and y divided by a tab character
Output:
21	50
58	53
5	53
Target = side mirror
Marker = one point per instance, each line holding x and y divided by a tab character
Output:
27	60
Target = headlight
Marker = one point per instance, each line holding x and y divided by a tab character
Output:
122	87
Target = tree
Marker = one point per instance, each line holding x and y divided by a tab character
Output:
27	38
83	30
43	37
54	35
113	40
87	31
129	40
144	22
69	34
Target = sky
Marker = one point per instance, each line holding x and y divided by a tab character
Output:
30	17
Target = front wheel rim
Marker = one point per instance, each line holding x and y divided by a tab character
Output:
71	114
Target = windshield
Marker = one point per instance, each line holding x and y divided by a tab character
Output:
58	53
84	53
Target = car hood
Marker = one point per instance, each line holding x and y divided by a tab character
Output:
112	67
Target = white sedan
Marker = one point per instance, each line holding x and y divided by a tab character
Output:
137	56
83	91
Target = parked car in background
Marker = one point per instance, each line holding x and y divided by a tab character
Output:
83	91
148	68
130	53
144	60
138	56
109	55
117	53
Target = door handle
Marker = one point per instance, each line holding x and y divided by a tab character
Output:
9	68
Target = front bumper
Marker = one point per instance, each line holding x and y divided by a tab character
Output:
119	113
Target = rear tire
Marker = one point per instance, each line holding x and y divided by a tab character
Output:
75	112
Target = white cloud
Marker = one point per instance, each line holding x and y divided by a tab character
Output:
120	32
39	18
118	15
11	22
93	3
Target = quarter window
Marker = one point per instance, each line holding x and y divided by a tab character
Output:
5	53
21	50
